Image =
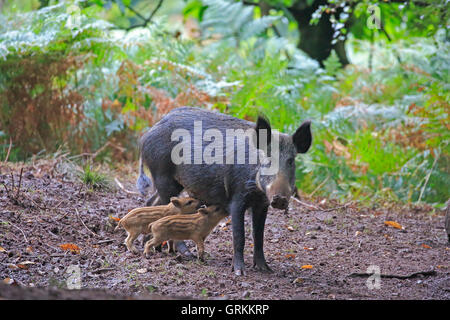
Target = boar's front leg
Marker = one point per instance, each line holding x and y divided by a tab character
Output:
237	210
259	213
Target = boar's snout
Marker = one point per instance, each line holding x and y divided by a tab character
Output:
279	192
279	202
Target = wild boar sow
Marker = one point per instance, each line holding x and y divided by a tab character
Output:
223	160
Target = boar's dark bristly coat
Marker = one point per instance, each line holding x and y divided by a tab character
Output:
236	187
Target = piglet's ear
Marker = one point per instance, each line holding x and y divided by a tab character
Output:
176	202
302	138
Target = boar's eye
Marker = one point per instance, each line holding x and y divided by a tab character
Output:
290	161
189	202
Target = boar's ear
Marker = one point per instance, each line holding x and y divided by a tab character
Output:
302	138
263	130
176	202
203	211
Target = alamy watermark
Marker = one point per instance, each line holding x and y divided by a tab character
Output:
374	280
228	149
73	281
374	20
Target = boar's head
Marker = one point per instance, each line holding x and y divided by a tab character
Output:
279	184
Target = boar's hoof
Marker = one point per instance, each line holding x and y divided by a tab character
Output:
279	202
238	270
262	267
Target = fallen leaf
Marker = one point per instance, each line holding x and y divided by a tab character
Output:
290	256
393	224
143	270
2	249
8	280
307	266
308	248
29	249
290	228
298	280
70	246
114	218
426	246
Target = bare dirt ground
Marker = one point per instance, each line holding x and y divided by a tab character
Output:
316	251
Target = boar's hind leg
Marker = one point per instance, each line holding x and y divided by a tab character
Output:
259	214
154	198
166	187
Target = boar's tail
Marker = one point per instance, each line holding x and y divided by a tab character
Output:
143	183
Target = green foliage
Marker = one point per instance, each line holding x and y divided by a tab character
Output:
93	179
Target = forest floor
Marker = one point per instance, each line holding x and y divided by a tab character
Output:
317	250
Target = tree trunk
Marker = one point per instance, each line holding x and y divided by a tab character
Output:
316	40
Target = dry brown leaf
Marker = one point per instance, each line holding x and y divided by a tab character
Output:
307	266
290	256
2	249
393	224
70	246
114	218
426	246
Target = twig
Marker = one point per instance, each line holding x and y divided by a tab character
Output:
103	270
20	183
427	178
105	241
78	215
336	208
9	150
96	153
23	233
319	186
307	204
318	208
408	276
123	188
146	20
